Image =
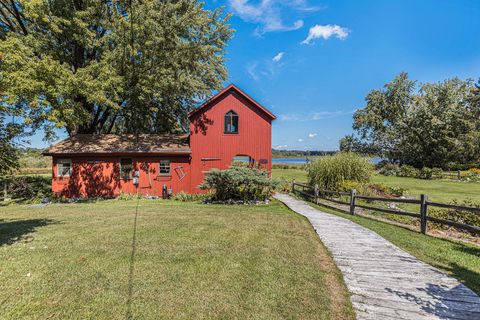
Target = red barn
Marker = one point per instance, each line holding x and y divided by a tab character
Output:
228	125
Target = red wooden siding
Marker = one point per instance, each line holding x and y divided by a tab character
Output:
99	176
212	148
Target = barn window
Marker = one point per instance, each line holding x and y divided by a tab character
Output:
64	167
126	168
231	122
164	167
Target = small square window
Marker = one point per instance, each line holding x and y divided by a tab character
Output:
164	167
64	167
126	168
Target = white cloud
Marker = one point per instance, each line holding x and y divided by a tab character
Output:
321	115
252	70
312	135
268	13
300	140
325	32
278	57
281	146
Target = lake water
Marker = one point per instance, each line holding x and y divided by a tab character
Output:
305	160
297	160
290	160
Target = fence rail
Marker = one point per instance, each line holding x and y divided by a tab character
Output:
316	193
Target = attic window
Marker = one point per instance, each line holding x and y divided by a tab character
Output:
231	122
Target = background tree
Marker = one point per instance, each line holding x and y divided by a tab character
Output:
110	66
430	124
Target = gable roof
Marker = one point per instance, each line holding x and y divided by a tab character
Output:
128	143
232	87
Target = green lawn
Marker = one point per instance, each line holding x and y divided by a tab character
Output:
188	260
300	175
437	190
459	259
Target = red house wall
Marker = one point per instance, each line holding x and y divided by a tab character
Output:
99	176
212	148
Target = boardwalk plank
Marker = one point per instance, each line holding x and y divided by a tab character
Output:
385	281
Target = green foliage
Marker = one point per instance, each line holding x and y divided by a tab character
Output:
239	183
32	158
27	188
461	216
348	185
411	172
8	132
382	190
330	172
190	197
408	171
423	125
125	196
102	66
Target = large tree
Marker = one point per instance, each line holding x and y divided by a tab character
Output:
110	66
429	124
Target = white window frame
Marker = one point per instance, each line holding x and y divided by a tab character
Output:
166	164
60	169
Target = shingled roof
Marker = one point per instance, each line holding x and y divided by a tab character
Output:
128	143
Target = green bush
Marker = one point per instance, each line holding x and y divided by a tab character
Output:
239	183
411	172
408	171
382	190
27	188
460	216
190	197
330	172
425	173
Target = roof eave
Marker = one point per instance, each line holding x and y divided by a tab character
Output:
232	86
120	152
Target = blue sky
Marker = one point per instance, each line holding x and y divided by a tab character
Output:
312	62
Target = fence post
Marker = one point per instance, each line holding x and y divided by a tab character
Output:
423	213
315	192
293	185
459	175
5	191
353	193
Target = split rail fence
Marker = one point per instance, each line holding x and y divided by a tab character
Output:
314	193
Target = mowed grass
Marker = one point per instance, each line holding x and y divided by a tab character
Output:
437	190
182	261
461	260
300	175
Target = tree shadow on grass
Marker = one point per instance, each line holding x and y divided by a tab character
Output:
12	231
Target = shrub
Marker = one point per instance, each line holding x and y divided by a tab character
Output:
460	216
474	171
330	172
129	196
382	190
239	183
27	188
390	169
190	197
408	171
425	173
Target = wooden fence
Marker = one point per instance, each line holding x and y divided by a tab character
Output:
316	193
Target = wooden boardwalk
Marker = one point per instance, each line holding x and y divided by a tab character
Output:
385	282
